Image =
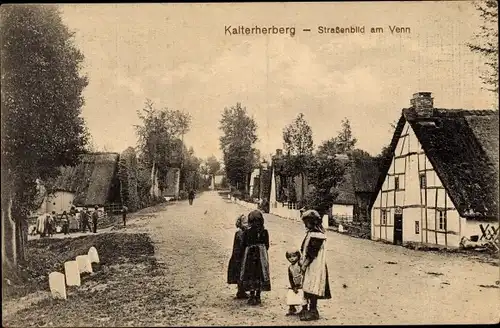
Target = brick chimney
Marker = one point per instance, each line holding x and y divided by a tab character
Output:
423	103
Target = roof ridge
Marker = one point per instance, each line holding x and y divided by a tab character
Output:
477	112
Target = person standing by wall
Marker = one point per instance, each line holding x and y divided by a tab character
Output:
95	217
313	264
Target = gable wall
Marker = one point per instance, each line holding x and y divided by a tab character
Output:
419	205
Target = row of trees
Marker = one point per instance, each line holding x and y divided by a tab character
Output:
239	135
323	170
321	167
161	147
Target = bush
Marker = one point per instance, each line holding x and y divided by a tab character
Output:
324	174
247	198
264	206
236	194
128	175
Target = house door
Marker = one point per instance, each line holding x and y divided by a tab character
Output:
398	229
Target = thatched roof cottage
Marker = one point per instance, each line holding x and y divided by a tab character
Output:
94	181
441	184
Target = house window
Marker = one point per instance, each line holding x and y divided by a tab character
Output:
442	220
383	219
423	181
417	227
396	183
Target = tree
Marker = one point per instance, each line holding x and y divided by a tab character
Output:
324	173
359	154
343	143
237	144
128	175
328	147
486	43
298	144
297	137
41	105
345	140
213	165
190	172
159	139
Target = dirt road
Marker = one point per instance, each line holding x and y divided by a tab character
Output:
372	283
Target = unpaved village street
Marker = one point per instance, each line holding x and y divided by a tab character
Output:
185	283
371	282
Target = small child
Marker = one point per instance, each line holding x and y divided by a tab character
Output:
295	277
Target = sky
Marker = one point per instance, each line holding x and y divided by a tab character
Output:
179	56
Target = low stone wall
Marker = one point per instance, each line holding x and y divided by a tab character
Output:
250	206
354	229
285	212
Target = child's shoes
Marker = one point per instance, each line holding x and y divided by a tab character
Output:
292	311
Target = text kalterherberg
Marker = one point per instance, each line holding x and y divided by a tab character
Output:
258	30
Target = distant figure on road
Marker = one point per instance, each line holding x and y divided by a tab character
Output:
234	268
313	265
191	196
95	217
255	266
124	215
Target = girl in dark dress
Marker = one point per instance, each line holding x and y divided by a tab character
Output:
255	267
234	268
313	264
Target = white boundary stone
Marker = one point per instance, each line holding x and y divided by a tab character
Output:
84	264
57	285
72	273
93	255
325	221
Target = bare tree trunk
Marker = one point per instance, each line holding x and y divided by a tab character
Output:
153	180
10	242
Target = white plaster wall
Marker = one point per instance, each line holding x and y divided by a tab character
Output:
399	164
400	198
60	201
272	198
343	210
410	215
218	179
472	227
254	173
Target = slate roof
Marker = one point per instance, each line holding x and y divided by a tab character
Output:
462	146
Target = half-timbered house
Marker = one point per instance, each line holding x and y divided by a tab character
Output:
441	184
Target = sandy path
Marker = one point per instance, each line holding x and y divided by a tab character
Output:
195	244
